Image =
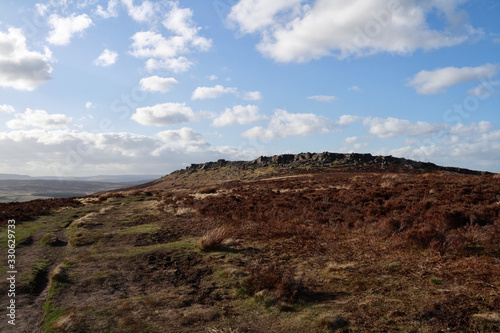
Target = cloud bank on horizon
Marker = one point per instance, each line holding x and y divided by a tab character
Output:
136	86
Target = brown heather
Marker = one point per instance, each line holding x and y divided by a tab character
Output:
280	244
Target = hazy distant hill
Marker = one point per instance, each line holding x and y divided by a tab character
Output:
24	188
100	178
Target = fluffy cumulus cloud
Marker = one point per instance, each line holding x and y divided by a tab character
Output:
165	114
252	96
212	92
323	98
438	80
348	119
239	114
38	118
392	127
256	15
476	148
218	91
169	53
184	139
284	124
478	128
21	68
110	11
89	105
64	28
157	84
7	108
298	31
107	58
142	13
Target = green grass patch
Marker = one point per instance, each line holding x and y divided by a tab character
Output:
38	277
150	228
435	280
52	312
48	239
188	244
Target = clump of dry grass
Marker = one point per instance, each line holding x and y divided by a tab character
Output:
279	281
213	239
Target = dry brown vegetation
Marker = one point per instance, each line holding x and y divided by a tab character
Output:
213	239
322	251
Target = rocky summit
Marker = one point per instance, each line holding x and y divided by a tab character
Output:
366	162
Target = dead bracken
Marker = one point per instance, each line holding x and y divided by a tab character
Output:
299	243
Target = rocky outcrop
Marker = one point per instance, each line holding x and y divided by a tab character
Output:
355	161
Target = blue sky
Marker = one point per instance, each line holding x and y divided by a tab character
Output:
147	87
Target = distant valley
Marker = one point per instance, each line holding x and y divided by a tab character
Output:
17	188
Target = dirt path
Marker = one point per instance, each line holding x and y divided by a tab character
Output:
30	304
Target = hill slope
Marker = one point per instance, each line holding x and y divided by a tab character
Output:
348	244
290	164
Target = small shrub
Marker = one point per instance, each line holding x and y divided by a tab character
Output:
435	280
208	189
59	275
50	240
334	322
213	239
282	282
426	237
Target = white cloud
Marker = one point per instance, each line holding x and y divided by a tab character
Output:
213	77
218	91
354	88
351	139
63	28
252	96
176	65
156	83
212	92
90	105
106	58
485	89
7	108
284	124
169	52
353	143
165	114
298	31
392	127
20	68
437	80
38	118
323	98
347	119
111	11
185	138
481	127
255	15
41	9
239	114
143	13
73	153
472	149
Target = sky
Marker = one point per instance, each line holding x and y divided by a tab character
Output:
91	87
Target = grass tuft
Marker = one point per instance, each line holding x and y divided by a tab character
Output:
213	239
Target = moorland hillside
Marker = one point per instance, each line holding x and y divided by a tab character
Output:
290	243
